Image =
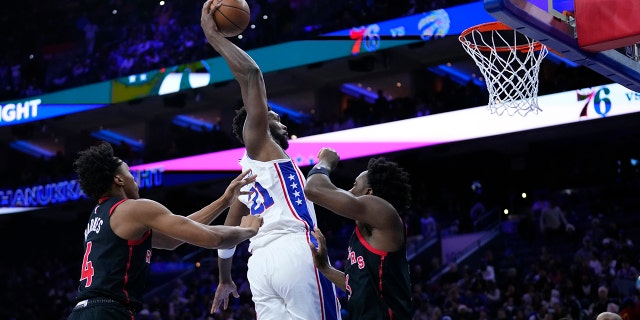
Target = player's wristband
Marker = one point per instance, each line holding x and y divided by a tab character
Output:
226	253
317	169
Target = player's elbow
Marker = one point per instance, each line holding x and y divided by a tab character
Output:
249	75
254	76
252	71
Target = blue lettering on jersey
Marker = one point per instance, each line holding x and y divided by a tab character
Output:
260	199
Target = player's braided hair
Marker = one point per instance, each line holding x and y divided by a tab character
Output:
389	182
238	122
96	167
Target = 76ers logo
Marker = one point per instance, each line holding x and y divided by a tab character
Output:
368	37
599	97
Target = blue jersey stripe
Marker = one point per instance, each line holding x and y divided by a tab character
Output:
329	299
294	190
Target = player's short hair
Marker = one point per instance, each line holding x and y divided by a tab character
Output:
96	167
238	122
390	182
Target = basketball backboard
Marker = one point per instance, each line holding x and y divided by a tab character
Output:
545	21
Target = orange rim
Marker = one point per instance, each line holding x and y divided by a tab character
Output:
495	26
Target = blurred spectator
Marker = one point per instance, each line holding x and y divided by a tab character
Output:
629	309
428	225
604	303
553	223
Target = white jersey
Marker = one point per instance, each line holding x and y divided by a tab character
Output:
277	195
284	282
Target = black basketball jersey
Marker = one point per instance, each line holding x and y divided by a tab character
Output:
113	267
377	282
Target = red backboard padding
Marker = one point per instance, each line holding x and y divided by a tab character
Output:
607	24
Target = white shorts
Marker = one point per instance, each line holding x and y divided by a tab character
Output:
286	285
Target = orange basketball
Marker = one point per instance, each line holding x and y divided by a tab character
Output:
232	17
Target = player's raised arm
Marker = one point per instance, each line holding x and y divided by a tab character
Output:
249	76
355	204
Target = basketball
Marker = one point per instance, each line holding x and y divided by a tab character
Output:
232	17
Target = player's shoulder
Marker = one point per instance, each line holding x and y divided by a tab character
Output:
140	210
139	204
384	209
377	202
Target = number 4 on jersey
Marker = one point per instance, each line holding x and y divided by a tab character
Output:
87	267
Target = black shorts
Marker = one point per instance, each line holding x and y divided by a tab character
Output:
100	309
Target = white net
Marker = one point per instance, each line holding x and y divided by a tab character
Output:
510	63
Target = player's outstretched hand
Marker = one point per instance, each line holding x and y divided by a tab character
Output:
222	295
233	190
320	255
251	222
206	18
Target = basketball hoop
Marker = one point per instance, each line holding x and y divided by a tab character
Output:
509	62
633	51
